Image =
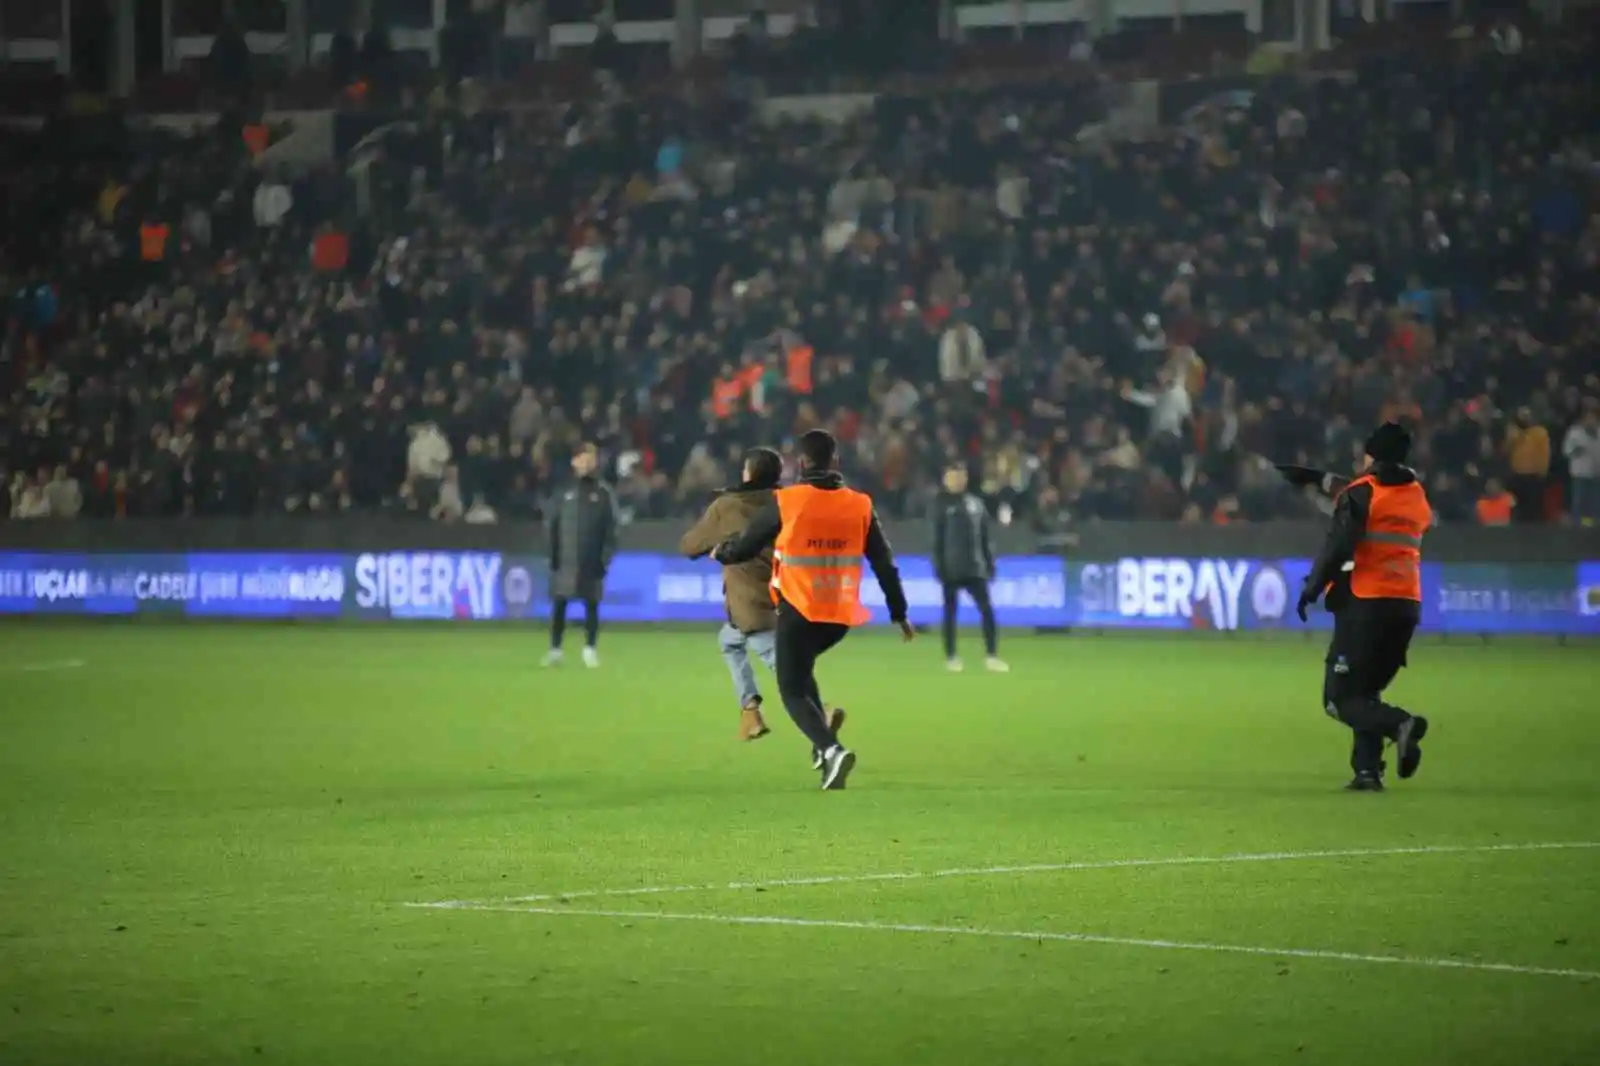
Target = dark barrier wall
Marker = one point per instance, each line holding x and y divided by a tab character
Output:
1462	544
1137	576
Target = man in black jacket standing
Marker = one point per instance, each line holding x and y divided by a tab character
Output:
583	537
963	560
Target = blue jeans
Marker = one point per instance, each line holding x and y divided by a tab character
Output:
736	649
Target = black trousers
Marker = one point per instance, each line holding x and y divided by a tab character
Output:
800	642
558	620
1528	489
1369	646
979	591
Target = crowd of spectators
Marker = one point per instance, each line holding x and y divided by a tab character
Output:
1099	328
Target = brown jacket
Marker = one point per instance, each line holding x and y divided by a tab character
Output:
745	586
1528	449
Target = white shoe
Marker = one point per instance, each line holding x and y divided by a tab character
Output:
996	665
954	666
591	658
836	766
553	657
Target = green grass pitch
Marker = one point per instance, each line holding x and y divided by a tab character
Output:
210	835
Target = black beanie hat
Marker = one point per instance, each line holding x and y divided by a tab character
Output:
1389	443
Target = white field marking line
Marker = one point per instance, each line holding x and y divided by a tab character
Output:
1008	871
48	666
1040	937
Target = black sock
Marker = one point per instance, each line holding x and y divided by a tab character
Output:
591	622
558	622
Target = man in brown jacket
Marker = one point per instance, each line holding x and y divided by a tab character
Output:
1527	451
746	587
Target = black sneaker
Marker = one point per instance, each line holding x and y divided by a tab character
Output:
835	723
1365	783
836	768
1408	744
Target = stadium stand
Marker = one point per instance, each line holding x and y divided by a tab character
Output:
976	268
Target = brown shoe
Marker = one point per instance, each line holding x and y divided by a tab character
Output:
751	725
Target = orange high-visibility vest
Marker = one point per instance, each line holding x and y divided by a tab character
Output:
330	251
799	369
724	396
153	241
816	562
1495	510
1389	558
256	138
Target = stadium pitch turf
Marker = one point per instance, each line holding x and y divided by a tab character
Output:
406	847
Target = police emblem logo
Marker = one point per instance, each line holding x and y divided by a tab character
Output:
1269	594
518	590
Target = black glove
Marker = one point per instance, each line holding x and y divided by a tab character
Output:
1300	476
1308	596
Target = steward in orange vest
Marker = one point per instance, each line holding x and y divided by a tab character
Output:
1371	570
153	237
1496	506
821	533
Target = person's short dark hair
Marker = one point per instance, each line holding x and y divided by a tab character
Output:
1389	443
765	466
818	448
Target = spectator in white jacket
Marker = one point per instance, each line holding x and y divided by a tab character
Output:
62	495
1169	403
1582	449
961	354
29	501
428	454
527	418
588	263
272	202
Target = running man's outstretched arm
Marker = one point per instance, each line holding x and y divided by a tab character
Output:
701	539
758	536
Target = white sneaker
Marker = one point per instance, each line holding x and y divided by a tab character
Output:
837	763
996	665
553	657
954	666
591	658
